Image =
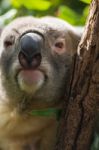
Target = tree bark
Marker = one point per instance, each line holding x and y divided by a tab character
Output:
76	125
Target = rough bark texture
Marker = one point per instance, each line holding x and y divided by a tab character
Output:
76	125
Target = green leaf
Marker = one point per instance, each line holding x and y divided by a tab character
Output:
86	1
86	11
40	5
95	144
16	3
69	15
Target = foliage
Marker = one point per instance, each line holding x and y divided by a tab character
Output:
86	1
73	11
95	144
30	4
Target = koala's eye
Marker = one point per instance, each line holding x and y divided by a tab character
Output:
59	46
9	41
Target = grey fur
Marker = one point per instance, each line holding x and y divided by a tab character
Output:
18	102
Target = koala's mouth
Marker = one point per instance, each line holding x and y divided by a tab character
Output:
30	80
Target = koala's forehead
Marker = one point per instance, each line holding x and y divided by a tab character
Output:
43	25
21	24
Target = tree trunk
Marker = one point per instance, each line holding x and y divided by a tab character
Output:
76	125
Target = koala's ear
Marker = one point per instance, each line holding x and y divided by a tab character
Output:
75	39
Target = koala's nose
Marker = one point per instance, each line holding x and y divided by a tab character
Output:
30	50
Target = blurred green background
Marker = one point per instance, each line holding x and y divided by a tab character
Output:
73	11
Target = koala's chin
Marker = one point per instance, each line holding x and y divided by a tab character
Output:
30	80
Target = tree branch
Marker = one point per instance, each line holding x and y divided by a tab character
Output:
76	126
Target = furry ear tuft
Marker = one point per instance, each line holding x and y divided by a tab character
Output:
75	38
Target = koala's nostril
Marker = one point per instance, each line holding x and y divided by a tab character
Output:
31	63
23	60
36	61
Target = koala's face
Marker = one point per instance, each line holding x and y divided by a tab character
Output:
35	59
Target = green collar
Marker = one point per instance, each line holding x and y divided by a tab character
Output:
48	112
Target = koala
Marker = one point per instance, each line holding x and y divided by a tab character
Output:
35	67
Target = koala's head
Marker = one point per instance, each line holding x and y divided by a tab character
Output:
36	58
